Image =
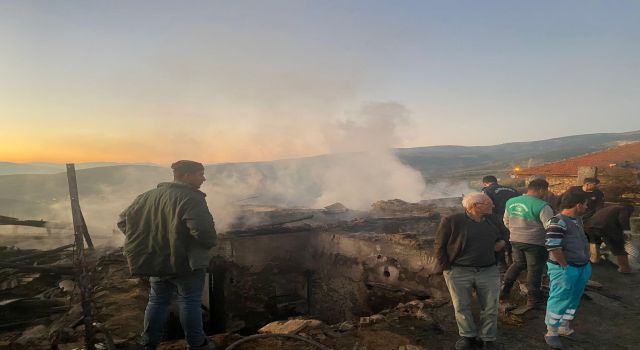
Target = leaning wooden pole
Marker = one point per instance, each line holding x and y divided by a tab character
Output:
82	273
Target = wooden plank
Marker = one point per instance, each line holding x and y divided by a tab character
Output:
82	276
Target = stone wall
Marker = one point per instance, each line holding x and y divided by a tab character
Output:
618	184
332	275
559	184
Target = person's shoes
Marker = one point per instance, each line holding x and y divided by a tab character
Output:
208	345
623	264
553	341
465	343
140	346
505	293
565	332
492	345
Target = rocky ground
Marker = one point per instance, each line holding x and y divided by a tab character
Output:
607	319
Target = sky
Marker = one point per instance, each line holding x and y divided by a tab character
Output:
228	81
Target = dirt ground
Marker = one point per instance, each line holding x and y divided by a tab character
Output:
607	319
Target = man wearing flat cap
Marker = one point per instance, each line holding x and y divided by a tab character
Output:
169	232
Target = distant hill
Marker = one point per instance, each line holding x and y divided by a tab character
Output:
627	155
473	161
7	168
290	182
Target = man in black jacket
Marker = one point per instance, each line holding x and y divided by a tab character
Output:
499	196
608	225
595	197
465	252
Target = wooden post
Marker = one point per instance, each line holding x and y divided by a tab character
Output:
79	226
82	273
85	231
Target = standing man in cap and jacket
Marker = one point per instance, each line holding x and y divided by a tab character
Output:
169	232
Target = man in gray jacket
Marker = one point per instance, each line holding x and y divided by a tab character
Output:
169	232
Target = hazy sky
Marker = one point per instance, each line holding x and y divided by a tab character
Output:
153	81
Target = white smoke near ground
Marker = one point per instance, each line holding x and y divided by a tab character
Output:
447	189
373	172
102	200
225	195
361	170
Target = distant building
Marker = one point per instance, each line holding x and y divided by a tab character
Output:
617	168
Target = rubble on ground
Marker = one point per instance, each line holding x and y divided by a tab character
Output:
374	291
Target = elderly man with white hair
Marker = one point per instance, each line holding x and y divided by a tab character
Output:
465	247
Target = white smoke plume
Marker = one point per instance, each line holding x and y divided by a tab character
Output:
372	172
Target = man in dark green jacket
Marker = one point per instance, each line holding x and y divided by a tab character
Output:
169	232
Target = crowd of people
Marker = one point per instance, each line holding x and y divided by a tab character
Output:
504	230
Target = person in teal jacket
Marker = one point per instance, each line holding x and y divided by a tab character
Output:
168	234
525	217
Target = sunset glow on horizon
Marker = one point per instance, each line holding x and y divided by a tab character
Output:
230	81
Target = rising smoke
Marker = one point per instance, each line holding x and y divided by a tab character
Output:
371	172
360	170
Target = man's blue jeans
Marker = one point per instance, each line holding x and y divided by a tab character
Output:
189	288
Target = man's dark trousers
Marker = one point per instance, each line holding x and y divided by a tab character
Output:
532	258
189	288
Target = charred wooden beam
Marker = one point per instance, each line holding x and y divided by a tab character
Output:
272	228
268	231
61	269
393	288
21	323
39	254
284	222
7	220
38	303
